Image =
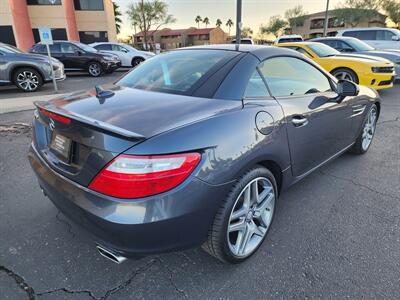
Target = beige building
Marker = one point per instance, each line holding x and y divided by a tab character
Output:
313	25
80	20
175	38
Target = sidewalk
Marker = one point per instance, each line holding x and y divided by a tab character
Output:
23	103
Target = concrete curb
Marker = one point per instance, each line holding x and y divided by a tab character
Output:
23	103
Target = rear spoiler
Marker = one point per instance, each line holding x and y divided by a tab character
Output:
89	121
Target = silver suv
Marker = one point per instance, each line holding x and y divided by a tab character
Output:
27	71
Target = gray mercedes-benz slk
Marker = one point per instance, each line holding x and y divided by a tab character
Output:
193	147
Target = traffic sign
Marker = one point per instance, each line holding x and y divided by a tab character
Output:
45	36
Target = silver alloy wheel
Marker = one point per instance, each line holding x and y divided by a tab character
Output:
251	217
94	69
28	80
344	75
369	129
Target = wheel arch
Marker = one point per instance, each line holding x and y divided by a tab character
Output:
275	170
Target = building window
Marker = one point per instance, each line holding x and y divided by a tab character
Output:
7	35
335	22
89	4
56	33
317	24
89	37
44	2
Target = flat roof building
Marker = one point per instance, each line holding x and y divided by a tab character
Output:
87	21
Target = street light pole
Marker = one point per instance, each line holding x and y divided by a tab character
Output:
326	18
238	21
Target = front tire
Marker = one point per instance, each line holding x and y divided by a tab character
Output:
244	217
347	74
137	61
364	139
94	69
27	79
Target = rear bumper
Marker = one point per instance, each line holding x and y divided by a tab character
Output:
171	221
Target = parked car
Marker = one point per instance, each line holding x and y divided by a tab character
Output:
80	57
379	38
370	71
245	41
356	46
192	148
129	56
27	71
288	39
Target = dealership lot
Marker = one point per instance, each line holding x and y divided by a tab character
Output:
336	234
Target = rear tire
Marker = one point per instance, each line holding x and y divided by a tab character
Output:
364	139
235	222
344	73
27	79
137	61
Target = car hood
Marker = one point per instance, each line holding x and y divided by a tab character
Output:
371	60
32	57
393	55
145	113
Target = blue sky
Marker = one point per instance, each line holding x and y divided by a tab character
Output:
255	12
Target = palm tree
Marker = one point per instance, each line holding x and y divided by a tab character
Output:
117	15
229	23
218	23
198	20
206	21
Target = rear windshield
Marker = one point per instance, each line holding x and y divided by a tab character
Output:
290	40
175	72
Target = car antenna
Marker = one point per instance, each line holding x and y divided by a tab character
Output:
102	94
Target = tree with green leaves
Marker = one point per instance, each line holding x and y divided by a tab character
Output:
353	12
295	16
218	23
275	26
198	20
229	23
247	32
392	9
206	21
117	16
148	14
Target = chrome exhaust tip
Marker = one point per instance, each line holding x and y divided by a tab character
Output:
114	257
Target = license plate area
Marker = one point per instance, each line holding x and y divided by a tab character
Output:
61	146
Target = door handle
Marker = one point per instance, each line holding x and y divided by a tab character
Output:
299	121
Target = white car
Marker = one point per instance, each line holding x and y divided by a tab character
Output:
129	56
288	39
246	41
379	38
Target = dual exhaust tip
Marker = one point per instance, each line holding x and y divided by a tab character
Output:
111	255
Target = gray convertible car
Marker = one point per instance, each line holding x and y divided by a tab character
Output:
194	146
356	46
27	71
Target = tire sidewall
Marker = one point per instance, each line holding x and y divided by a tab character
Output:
98	64
137	59
359	141
231	201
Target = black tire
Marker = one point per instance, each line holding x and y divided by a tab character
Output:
21	75
137	61
94	69
358	147
217	241
353	76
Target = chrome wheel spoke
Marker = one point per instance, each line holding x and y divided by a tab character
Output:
369	129
238	226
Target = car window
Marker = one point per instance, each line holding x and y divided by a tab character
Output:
290	76
384	35
116	47
367	35
68	48
103	47
55	48
256	87
40	48
174	72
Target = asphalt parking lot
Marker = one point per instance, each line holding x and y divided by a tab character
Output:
336	235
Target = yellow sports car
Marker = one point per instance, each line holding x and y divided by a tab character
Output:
370	71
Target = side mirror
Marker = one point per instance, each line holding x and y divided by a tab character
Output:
124	50
396	38
347	88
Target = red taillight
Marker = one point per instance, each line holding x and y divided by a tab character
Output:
131	176
55	116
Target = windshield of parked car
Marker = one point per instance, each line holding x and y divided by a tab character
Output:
174	72
10	49
289	40
323	50
86	47
359	45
